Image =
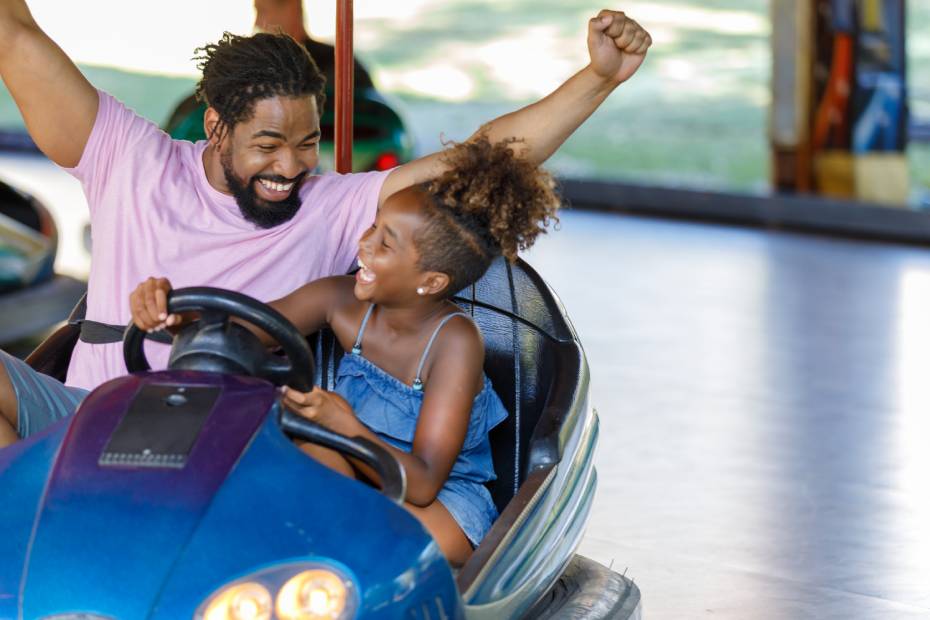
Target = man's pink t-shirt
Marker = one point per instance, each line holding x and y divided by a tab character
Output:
153	213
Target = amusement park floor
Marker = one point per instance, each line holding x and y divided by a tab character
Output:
764	400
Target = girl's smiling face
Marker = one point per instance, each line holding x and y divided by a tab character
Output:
388	257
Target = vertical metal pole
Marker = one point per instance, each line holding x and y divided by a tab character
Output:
793	48
345	82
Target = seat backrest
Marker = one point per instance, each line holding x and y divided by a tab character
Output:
526	337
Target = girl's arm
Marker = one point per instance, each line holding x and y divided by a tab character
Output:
312	305
308	308
454	380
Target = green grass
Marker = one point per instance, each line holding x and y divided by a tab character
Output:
918	58
919	159
707	128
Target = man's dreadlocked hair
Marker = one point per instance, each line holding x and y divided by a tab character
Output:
488	203
238	71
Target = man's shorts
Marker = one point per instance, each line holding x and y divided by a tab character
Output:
41	399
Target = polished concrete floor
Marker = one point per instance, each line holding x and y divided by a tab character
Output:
765	415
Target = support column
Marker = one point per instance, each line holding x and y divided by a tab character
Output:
344	86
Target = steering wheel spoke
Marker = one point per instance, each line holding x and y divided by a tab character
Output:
276	369
214	319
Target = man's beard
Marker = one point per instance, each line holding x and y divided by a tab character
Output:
259	211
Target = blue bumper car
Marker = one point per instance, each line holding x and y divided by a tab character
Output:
180	494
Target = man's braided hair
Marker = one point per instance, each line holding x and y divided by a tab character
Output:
239	71
488	203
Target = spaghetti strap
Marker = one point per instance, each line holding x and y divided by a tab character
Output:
417	383
357	347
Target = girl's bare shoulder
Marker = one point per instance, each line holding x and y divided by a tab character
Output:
459	343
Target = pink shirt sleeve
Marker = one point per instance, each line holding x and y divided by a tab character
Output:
113	143
356	212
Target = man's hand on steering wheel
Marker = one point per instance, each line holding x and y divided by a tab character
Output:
149	306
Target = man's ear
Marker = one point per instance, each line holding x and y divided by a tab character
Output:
213	127
434	282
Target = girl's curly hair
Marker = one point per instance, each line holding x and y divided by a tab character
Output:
239	71
488	203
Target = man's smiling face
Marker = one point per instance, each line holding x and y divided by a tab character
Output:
267	157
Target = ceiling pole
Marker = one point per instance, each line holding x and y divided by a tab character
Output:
345	80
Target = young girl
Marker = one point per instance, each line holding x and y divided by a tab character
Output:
413	379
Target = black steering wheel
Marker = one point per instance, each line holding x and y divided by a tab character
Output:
214	343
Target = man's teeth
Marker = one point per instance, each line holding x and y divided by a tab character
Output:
278	187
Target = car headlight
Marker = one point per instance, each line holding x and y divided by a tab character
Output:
312	595
241	601
296	591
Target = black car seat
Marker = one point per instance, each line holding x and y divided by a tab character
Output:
53	355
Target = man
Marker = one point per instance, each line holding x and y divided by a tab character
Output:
239	210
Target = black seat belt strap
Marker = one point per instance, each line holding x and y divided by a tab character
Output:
95	332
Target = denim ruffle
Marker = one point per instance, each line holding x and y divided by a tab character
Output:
391	408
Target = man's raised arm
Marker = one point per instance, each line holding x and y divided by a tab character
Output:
617	46
58	104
